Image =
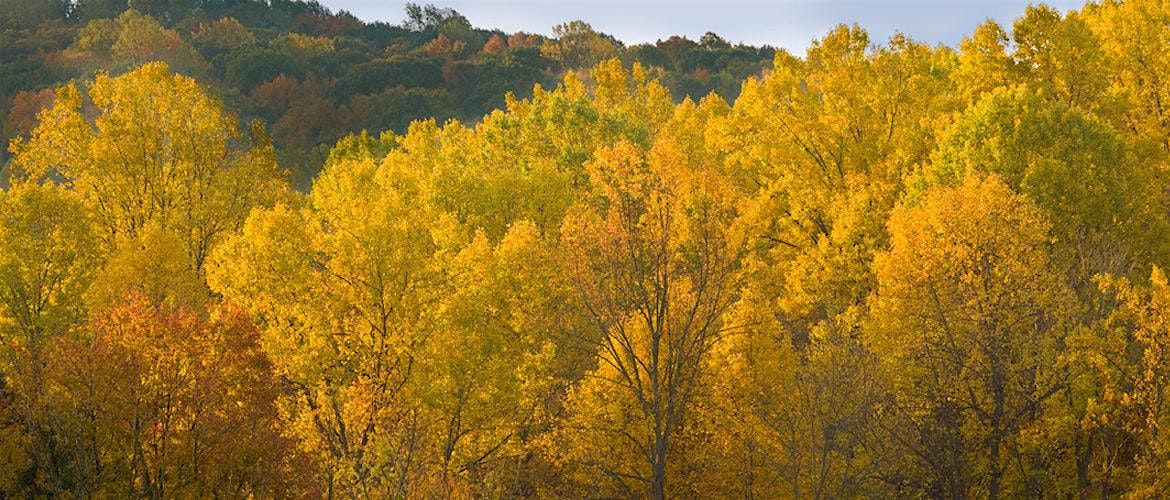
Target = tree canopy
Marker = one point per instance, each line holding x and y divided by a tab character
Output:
880	269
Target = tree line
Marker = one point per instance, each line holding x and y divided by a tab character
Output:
314	75
884	269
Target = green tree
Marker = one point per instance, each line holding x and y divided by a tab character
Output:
578	46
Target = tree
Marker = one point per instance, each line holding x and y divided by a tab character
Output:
1061	58
1133	40
155	267
787	420
495	45
529	165
249	68
141	39
578	46
47	262
1096	189
1130	358
22	117
984	62
428	17
16	14
222	36
430	359
47	259
273	98
712	41
818	149
968	317
89	10
824	173
489	366
344	289
160	151
130	40
655	267
303	47
876	269
373	76
1104	205
173	401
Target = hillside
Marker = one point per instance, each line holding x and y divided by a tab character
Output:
314	76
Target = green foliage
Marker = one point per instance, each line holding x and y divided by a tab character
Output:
374	76
375	73
250	68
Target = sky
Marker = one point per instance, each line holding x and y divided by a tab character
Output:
790	24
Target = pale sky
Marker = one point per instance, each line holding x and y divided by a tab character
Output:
790	24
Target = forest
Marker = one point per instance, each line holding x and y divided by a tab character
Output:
315	76
877	269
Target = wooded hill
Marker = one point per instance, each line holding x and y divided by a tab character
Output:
314	76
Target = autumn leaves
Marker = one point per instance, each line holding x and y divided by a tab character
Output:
884	270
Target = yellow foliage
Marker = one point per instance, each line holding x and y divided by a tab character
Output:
885	270
158	152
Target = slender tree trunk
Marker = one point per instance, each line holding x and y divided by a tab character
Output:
999	413
658	481
993	485
1084	456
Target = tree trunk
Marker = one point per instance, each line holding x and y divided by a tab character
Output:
658	481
